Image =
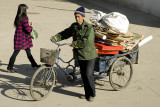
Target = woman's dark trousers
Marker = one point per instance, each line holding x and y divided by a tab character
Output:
87	70
14	55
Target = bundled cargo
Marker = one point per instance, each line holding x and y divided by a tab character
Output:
111	38
112	30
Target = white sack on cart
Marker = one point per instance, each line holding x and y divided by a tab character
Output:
114	20
117	22
96	16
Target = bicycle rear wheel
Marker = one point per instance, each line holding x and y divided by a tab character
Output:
120	73
42	83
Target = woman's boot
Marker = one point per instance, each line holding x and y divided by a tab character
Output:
33	63
10	65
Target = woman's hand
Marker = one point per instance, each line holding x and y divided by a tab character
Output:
30	23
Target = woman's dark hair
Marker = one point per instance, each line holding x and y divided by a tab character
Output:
21	14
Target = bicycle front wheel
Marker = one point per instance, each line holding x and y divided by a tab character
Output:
42	83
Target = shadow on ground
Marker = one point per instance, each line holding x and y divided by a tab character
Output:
13	85
16	91
17	87
63	82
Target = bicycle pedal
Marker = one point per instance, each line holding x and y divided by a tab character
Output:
70	78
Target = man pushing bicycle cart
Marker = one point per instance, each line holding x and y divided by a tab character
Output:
84	50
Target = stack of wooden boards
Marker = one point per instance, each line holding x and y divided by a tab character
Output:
111	42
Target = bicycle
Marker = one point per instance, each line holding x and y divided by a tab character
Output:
44	78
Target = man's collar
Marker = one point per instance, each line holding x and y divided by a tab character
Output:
82	25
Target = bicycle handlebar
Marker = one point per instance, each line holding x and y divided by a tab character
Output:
59	43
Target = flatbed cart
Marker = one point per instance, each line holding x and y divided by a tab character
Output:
115	64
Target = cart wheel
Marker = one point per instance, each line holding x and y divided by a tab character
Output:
42	83
120	73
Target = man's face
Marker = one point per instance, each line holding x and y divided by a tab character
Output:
79	18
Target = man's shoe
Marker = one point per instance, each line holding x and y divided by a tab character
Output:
90	99
11	71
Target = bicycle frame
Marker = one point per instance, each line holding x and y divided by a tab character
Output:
60	59
64	69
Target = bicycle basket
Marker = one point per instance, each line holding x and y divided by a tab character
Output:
48	56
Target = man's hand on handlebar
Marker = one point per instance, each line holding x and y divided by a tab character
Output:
51	38
70	44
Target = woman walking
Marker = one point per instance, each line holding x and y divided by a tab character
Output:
22	37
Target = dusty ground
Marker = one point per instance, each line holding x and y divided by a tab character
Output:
51	16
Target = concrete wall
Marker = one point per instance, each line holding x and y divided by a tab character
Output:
148	6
